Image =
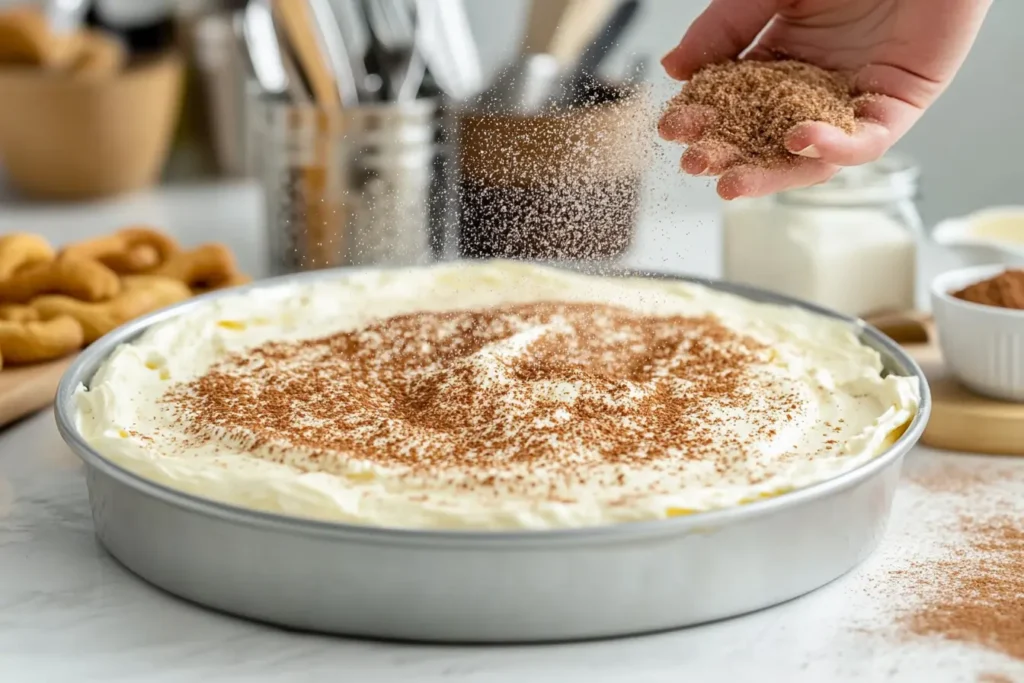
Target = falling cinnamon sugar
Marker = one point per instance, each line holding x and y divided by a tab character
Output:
757	103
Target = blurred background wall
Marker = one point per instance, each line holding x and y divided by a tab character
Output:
970	144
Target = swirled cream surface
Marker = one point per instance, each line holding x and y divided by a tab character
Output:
493	395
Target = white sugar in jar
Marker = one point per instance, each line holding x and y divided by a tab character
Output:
849	244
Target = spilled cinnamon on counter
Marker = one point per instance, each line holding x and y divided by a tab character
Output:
1005	290
994	678
973	592
978	596
757	103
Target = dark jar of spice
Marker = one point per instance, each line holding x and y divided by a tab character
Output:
558	185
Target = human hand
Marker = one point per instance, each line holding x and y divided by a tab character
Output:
905	52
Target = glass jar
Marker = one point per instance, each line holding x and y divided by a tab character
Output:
849	244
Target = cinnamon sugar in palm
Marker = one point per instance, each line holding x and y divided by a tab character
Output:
757	103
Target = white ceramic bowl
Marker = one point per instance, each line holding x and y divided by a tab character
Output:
993	235
983	346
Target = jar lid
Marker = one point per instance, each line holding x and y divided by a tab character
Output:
894	177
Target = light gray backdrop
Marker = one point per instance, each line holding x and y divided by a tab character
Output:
970	145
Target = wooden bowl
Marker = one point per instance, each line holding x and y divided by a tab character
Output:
72	136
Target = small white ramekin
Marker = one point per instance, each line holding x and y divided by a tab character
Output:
983	346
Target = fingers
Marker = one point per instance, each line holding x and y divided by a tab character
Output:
816	140
709	158
686	124
753	181
881	121
723	31
716	158
897	116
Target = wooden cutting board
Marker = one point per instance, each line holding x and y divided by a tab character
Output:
960	420
24	390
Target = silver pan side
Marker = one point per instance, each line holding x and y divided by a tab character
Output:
472	586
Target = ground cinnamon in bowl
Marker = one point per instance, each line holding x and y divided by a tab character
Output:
757	103
1005	290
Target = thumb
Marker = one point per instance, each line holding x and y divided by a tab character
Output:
722	31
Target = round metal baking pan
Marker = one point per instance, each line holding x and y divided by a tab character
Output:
474	586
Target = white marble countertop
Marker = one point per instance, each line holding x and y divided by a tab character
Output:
69	612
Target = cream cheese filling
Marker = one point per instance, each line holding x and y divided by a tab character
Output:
844	411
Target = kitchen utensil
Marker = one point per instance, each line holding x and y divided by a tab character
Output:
352	24
472	586
298	25
447	47
66	16
542	22
413	40
564	27
376	55
261	45
24	390
556	33
458	35
580	79
225	79
348	76
607	38
393	50
961	420
387	177
71	138
394	15
299	91
525	85
322	217
983	345
412	79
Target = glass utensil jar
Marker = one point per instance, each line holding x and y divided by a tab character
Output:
363	189
849	244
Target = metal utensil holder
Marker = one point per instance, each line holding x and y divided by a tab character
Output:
365	186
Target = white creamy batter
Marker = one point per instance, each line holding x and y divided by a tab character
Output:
844	412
